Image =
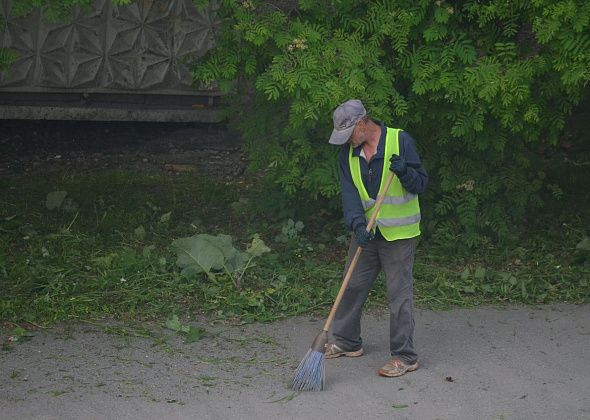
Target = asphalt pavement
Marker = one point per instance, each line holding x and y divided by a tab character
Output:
514	362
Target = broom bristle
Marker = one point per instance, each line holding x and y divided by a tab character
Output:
310	373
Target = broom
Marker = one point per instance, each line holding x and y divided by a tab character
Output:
311	372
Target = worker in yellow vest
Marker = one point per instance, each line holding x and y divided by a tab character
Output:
369	150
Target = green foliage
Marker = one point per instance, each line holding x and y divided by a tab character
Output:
191	333
479	85
56	266
55	199
289	231
582	253
204	253
17	336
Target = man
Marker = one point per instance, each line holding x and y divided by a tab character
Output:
369	151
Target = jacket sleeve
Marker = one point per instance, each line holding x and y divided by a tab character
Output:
415	179
354	214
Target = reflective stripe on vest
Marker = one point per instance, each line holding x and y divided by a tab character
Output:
399	221
399	216
389	200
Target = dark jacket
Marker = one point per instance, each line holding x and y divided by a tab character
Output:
414	181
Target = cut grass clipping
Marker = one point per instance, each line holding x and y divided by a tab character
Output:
89	245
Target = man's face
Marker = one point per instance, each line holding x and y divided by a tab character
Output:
358	136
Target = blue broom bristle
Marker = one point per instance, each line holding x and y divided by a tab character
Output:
310	373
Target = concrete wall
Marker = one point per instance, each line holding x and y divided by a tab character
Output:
97	64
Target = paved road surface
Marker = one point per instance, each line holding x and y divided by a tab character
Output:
486	363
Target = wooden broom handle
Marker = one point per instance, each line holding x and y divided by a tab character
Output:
357	254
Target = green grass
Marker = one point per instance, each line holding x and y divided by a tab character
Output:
93	260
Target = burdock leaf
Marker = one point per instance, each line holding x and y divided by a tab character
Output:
223	243
480	273
194	334
237	261
257	247
165	218
584	244
199	253
173	323
55	199
139	232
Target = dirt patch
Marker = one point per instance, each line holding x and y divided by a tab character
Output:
33	147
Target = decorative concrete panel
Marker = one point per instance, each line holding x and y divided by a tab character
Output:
143	47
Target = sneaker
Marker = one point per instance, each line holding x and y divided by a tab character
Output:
395	367
333	351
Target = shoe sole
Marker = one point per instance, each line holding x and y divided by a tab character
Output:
387	374
357	353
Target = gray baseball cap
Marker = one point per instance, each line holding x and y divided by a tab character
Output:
345	118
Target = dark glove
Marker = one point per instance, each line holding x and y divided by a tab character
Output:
398	165
362	236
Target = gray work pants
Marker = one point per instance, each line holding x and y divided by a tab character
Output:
396	259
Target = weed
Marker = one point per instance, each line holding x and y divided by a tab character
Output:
112	256
289	231
190	332
207	254
18	335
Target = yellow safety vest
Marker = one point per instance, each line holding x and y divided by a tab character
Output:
399	216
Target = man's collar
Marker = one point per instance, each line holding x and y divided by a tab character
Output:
380	147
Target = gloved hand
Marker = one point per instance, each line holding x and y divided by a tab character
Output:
362	236
398	165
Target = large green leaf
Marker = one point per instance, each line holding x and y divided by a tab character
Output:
223	243
207	253
237	261
55	199
175	325
257	247
199	253
584	244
